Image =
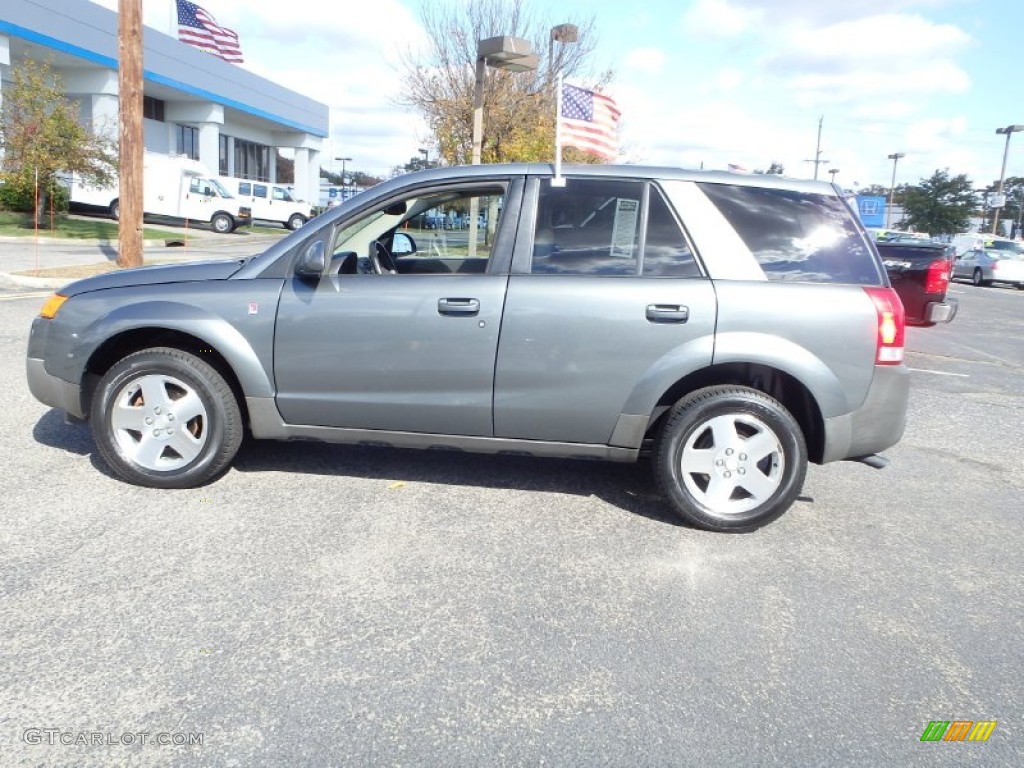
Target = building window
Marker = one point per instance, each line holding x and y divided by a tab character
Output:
224	155
188	141
252	160
152	109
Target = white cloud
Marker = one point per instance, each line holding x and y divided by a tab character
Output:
646	61
719	18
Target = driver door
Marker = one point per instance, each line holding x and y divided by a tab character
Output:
409	346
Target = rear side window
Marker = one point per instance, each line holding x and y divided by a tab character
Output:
588	227
245	189
666	253
797	236
259	190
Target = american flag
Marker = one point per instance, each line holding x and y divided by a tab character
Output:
589	121
197	27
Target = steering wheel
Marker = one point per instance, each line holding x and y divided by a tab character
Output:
381	259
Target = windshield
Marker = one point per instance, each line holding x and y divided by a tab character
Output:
221	189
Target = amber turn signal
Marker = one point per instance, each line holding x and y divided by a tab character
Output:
49	310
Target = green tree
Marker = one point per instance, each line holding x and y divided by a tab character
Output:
940	205
41	138
519	108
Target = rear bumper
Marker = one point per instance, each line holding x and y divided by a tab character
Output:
878	423
941	311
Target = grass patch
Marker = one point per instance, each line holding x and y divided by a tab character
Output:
20	225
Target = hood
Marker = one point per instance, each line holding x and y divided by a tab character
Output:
188	272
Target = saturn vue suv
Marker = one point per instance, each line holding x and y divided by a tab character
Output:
727	329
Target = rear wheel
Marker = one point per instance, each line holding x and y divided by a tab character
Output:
730	459
115	210
978	278
164	418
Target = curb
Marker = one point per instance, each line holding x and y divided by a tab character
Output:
23	281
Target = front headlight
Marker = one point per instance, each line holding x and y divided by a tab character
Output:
54	303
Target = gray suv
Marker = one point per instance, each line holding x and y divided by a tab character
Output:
732	328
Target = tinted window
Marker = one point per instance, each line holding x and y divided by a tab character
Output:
797	235
666	253
259	190
245	189
588	227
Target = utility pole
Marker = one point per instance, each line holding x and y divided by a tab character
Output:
129	88
817	150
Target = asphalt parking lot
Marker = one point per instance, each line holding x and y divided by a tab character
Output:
326	605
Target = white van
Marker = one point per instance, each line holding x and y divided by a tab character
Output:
173	187
271	202
969	241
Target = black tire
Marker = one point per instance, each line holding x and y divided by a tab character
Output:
296	221
115	210
978	278
172	456
764	480
223	223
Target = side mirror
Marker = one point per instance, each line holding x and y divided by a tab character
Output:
313	261
402	245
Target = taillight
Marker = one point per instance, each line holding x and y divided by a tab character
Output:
891	325
937	279
995	265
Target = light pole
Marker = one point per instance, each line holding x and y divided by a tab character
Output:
1008	130
426	156
833	171
343	161
895	157
510	53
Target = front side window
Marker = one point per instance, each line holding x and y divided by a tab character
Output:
797	236
431	233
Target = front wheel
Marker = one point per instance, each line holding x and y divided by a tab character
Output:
164	418
730	459
115	210
222	223
295	221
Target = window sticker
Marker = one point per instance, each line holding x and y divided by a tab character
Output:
624	230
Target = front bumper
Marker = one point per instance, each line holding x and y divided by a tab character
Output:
941	311
52	390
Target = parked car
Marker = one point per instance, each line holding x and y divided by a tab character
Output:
969	241
584	321
919	271
984	266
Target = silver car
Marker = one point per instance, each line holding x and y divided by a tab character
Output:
728	328
984	266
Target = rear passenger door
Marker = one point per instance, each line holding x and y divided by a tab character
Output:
606	299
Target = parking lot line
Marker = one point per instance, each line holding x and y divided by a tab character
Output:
940	373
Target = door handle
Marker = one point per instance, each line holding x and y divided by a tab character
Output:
668	313
458	306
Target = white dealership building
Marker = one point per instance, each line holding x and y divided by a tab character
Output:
195	104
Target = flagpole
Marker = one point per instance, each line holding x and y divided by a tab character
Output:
558	180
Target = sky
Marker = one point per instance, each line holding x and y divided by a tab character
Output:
701	83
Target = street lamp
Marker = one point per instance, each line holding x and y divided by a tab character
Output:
833	171
1008	130
895	157
562	33
510	53
426	156
343	160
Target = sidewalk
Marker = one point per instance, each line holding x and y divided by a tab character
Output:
21	254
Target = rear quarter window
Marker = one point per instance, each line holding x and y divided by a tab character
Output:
797	236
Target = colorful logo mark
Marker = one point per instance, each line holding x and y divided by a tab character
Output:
958	730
